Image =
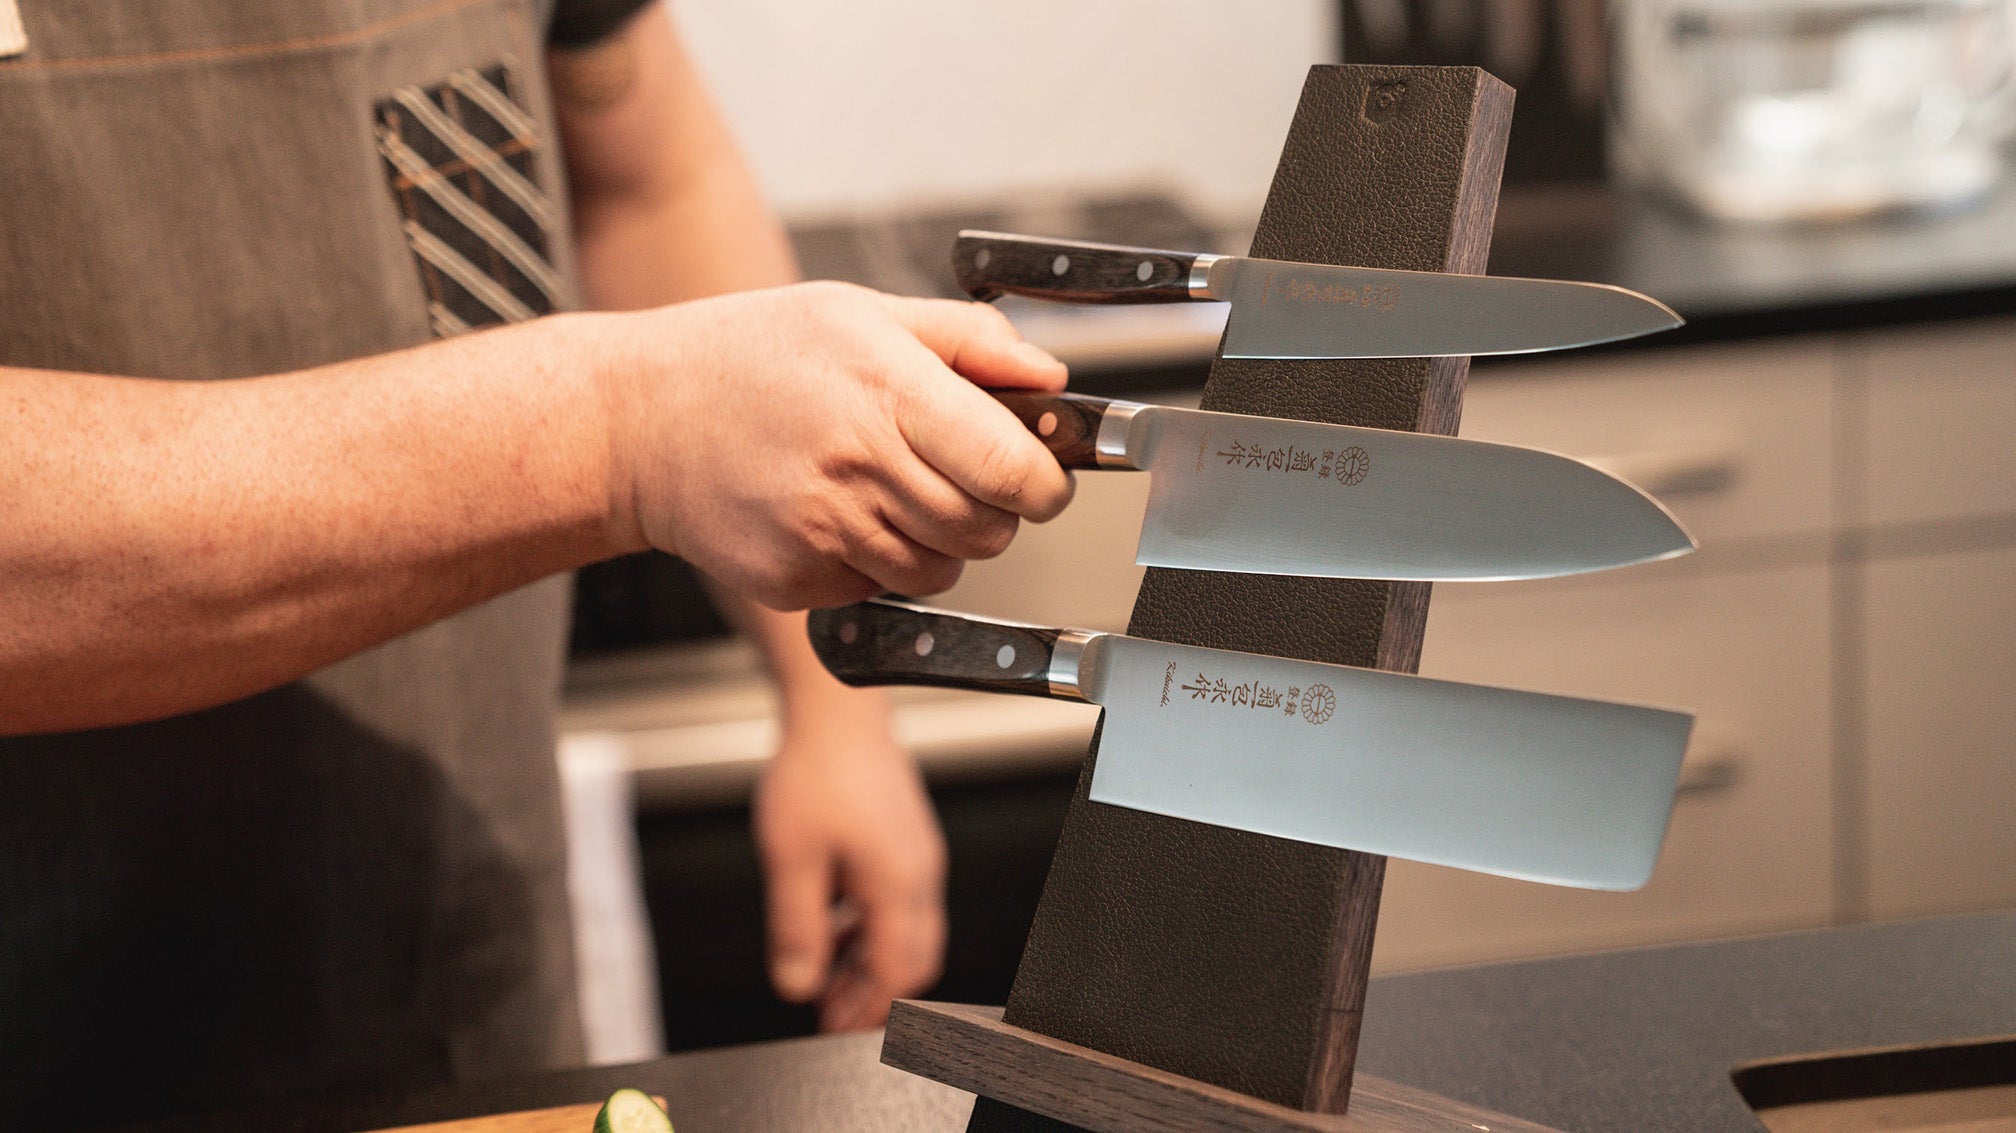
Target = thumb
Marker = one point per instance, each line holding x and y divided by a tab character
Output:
979	342
800	894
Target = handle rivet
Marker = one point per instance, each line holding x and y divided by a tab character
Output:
1144	271
848	632
982	257
1060	265
1046	424
1004	656
924	643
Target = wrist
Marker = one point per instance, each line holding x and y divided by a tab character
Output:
599	345
836	709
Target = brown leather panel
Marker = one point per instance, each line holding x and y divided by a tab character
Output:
1231	957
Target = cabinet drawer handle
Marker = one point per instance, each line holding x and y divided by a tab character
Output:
1675	471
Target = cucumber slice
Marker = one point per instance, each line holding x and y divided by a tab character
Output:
631	1111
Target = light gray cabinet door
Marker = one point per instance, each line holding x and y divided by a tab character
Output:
1940	697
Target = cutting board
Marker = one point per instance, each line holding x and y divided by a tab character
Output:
564	1119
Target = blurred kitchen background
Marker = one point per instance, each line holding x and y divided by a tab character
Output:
1820	187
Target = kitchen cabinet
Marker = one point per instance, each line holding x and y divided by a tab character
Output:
1845	633
1933	445
1935	689
1737	441
1940	707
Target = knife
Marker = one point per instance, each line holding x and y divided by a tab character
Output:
1291	310
1271	496
1521	784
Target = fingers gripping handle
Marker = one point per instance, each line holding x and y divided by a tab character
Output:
1066	423
884	642
990	264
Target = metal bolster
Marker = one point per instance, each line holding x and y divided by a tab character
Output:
1110	446
1065	658
1200	276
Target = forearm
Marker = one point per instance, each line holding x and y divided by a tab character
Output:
171	545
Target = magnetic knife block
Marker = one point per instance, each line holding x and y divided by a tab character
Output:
1183	976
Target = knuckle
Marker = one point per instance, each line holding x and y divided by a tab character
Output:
1002	473
1052	505
926	884
929	576
993	536
831	291
991	315
935	863
911	877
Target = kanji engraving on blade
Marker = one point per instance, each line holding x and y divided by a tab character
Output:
1347	468
1315	704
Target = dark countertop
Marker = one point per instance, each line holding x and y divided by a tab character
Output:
1645	1039
1633	1040
1738	280
1730	281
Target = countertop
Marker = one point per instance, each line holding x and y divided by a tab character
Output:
1634	1040
1729	280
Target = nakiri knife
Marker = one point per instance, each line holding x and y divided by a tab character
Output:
1526	785
1266	495
1294	310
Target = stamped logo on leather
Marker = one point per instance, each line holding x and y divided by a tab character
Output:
1383	100
460	158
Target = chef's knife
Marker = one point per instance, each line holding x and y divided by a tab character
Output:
1292	310
1527	785
1266	495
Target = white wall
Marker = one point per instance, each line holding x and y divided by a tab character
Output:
868	105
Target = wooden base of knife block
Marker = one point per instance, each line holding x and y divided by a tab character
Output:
970	1048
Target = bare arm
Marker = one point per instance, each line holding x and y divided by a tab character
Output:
169	545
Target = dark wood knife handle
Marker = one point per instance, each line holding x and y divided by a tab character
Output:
885	642
1066	423
990	264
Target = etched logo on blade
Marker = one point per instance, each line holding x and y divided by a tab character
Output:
1352	465
1281	287
1318	703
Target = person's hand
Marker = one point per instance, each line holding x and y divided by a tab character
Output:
817	444
854	865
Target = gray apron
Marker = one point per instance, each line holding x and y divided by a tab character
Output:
354	881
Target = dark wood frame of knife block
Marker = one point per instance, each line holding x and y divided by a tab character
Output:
1230	961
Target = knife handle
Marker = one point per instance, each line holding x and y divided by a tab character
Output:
1068	424
989	264
885	642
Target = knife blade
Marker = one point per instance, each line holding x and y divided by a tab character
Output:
1292	310
1264	495
1521	784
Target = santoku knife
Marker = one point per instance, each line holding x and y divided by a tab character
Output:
1293	310
1527	785
1266	495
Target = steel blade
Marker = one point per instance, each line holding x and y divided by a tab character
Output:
1261	494
1289	310
1526	785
